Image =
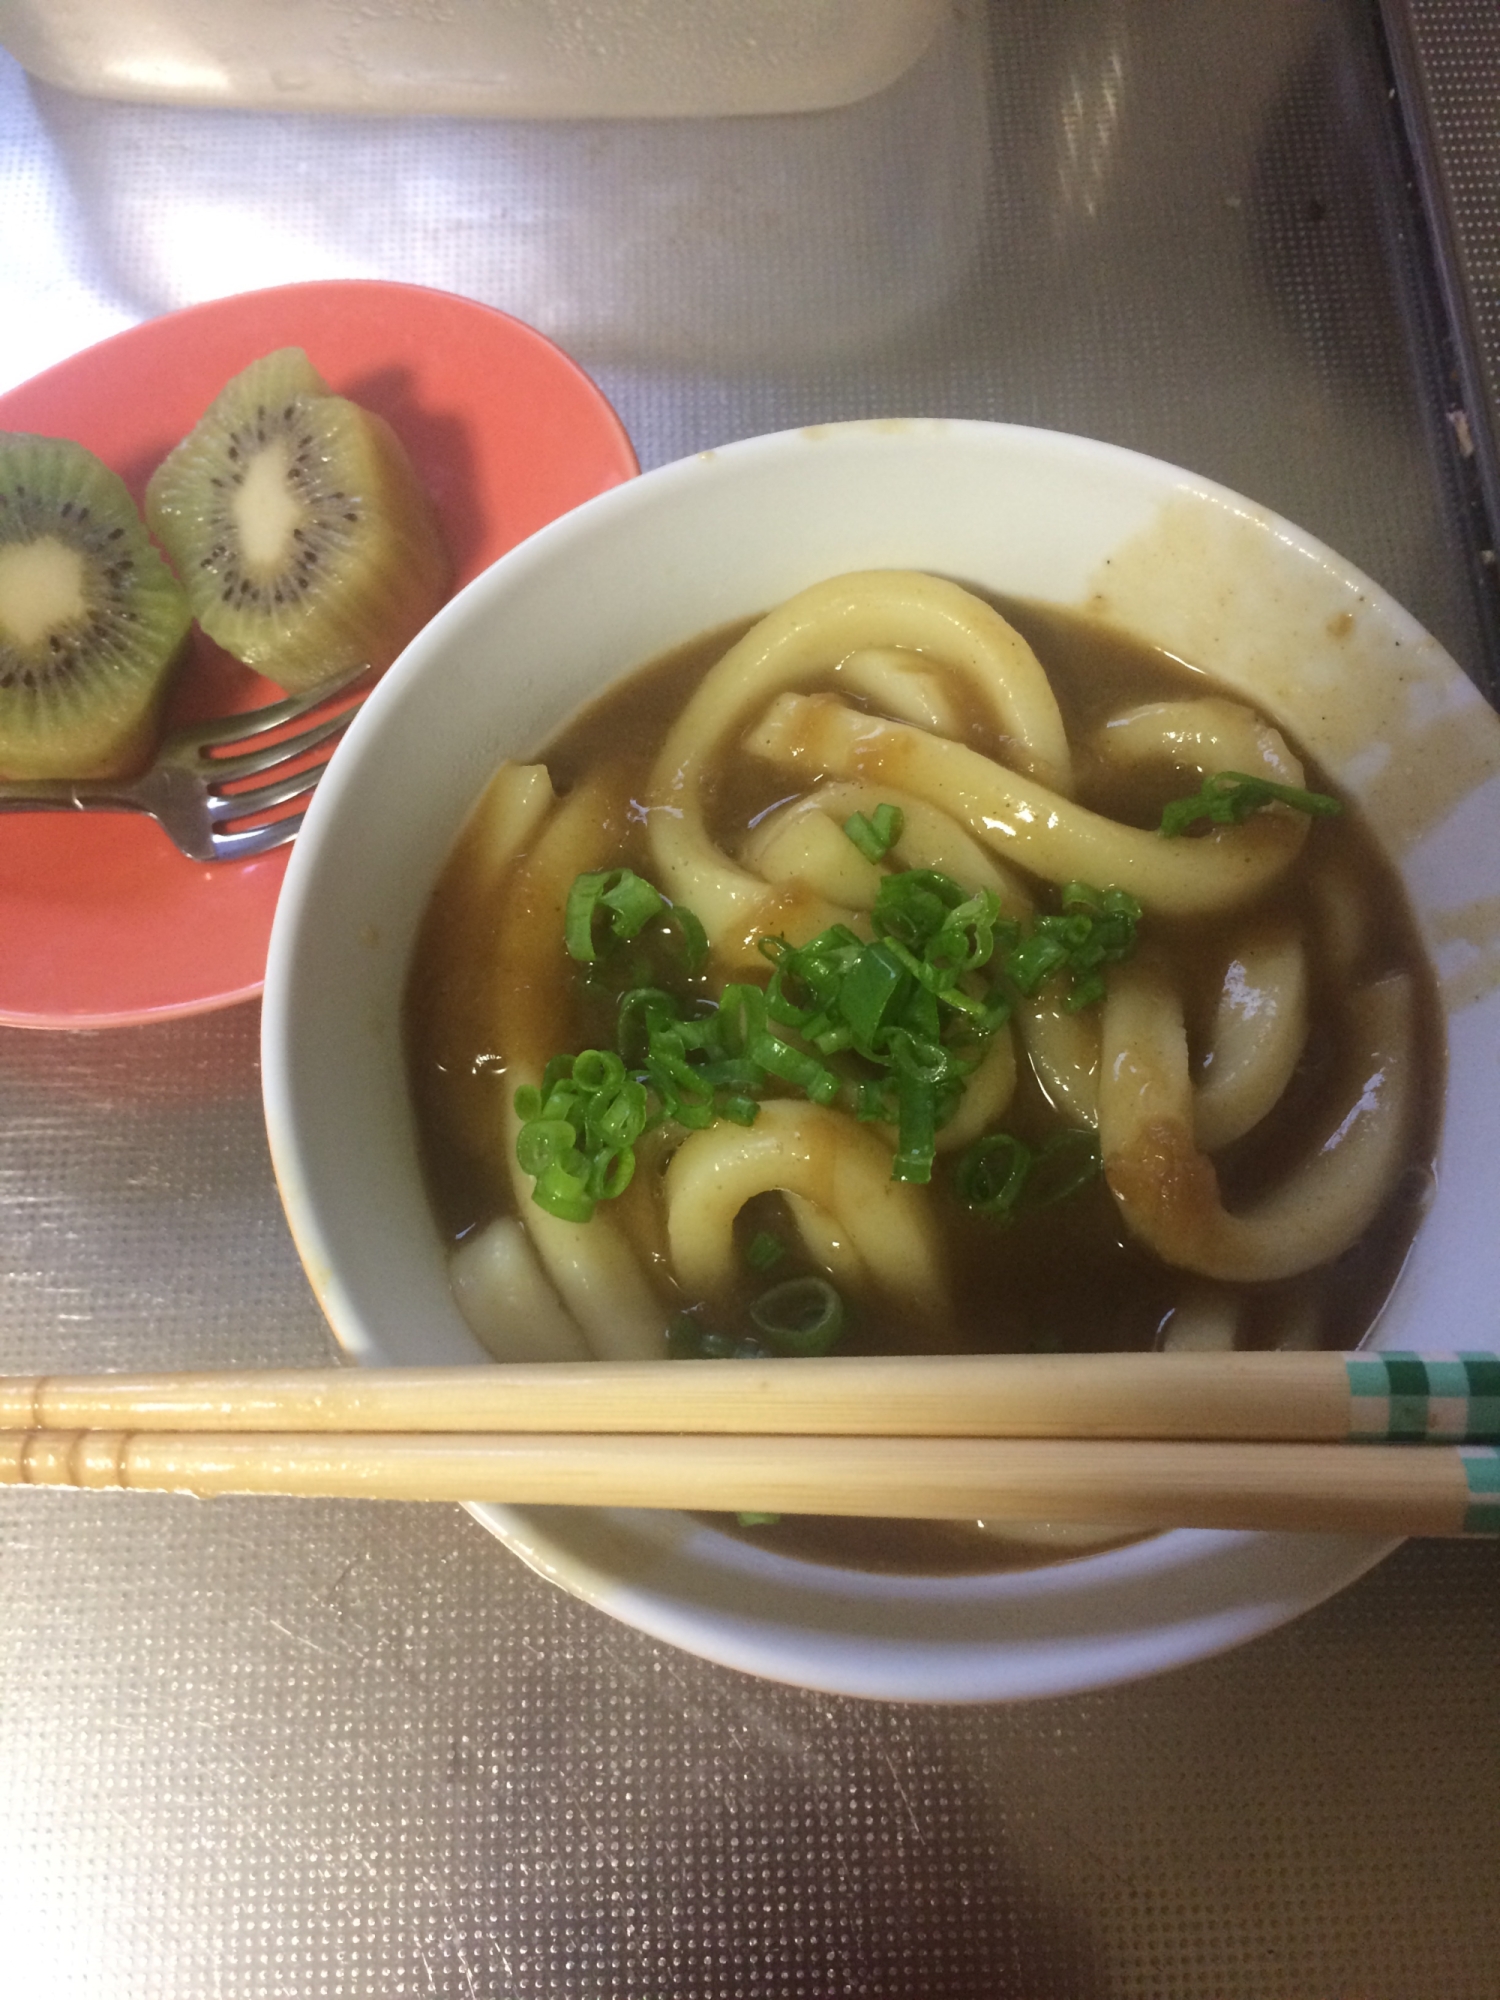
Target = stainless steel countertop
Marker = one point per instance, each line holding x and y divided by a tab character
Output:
255	1748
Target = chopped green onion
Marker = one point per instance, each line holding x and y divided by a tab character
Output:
632	902
1097	927
541	1141
1086	991
916	1128
683	1336
1227	798
991	1174
914	905
598	1069
639	1012
688	1341
563	1194
874	1102
903	1018
919	1056
803	1316
876	835
741	1016
1001	1176
619	1116
628	898
694	937
715	1346
763	1251
1029	964
869	990
1064	1166
794	1066
611	1173
578	1132
757	1520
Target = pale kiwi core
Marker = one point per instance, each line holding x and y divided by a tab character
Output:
41	588
265	510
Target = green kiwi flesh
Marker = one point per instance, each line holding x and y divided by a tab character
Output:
92	621
307	544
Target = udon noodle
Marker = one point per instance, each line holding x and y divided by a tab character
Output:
1241	1089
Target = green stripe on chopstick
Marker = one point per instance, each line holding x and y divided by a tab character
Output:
1423	1398
1482	1469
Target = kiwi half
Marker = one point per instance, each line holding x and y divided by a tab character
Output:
91	619
307	544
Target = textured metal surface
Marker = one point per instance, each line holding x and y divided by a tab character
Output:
1445	62
264	1748
1446	56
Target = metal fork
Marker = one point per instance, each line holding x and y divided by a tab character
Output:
185	787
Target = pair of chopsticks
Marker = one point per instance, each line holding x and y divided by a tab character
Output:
1398	1444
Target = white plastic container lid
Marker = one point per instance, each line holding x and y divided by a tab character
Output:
484	58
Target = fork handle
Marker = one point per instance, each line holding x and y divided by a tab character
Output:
68	795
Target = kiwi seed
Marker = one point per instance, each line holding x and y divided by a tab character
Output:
304	539
91	619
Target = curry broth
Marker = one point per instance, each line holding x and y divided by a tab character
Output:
1061	1279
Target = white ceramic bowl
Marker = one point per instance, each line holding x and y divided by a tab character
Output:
1183	563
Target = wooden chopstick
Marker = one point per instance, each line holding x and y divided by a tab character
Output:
1379	1489
1136	1441
1315	1397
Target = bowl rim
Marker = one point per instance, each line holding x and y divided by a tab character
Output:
1265	1579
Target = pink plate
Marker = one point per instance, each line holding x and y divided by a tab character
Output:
103	922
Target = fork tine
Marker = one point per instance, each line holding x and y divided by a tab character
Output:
243	843
225	806
256	721
225	769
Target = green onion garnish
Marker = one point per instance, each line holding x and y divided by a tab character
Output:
578	1132
991	1174
878	833
683	1336
890	1027
802	1316
1227	798
1063	1167
1001	1176
688	1341
694	937
1097	928
763	1252
627	901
